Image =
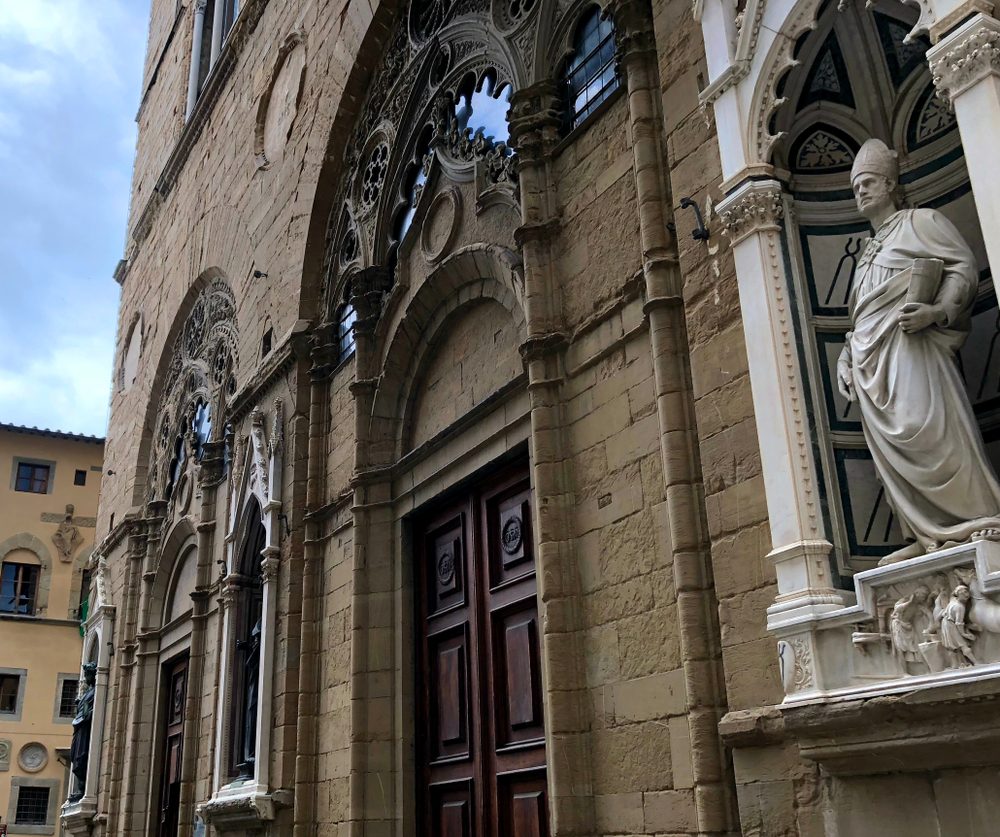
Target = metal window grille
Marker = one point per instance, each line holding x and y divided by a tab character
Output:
67	700
9	685
345	329
32	478
18	586
32	806
590	75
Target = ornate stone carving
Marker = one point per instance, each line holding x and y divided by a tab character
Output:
758	209
33	757
67	537
5	746
202	368
975	56
259	462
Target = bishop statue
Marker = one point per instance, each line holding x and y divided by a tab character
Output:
911	311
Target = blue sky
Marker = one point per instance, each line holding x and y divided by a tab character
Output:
70	72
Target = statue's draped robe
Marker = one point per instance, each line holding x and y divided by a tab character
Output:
916	415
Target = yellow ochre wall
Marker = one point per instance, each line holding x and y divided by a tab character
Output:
47	644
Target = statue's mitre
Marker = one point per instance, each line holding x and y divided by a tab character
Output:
874	157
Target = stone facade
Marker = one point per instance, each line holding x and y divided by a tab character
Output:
340	309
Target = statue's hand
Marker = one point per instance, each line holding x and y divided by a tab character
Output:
916	316
845	378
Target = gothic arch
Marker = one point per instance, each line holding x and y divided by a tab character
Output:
27	541
198	362
467	276
178	543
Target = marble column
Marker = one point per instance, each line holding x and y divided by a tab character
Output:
966	69
753	215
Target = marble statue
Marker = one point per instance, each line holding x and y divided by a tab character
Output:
80	748
911	311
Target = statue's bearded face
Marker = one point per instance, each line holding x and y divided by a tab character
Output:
873	193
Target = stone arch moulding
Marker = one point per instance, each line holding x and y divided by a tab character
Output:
762	76
468	275
288	77
175	545
27	541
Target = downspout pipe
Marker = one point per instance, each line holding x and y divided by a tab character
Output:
195	71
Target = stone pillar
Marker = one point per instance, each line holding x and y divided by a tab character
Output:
679	454
374	578
535	119
966	70
195	71
210	477
141	644
753	215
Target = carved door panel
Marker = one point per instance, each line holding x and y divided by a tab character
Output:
481	745
173	748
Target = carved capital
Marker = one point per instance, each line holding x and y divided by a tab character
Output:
368	288
269	568
633	27
535	119
753	207
966	57
213	464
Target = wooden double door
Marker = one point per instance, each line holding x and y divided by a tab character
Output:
480	723
175	677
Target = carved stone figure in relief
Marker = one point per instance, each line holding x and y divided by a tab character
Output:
260	450
956	635
67	537
911	311
903	624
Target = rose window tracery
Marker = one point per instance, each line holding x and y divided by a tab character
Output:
374	175
202	362
427	16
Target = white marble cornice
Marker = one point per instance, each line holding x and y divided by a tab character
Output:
967	56
754	206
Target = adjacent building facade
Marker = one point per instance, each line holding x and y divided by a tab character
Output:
47	521
477	460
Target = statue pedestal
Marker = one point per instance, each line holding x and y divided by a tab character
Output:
78	816
895	640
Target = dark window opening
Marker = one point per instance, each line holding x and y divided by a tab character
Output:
9	686
265	344
18	586
80	477
246	660
32	478
590	75
346	317
67	698
32	806
83	608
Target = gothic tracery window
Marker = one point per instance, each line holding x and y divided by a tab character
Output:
590	75
246	661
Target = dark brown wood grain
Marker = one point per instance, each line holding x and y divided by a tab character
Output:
481	732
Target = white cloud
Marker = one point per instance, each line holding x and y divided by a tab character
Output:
69	88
